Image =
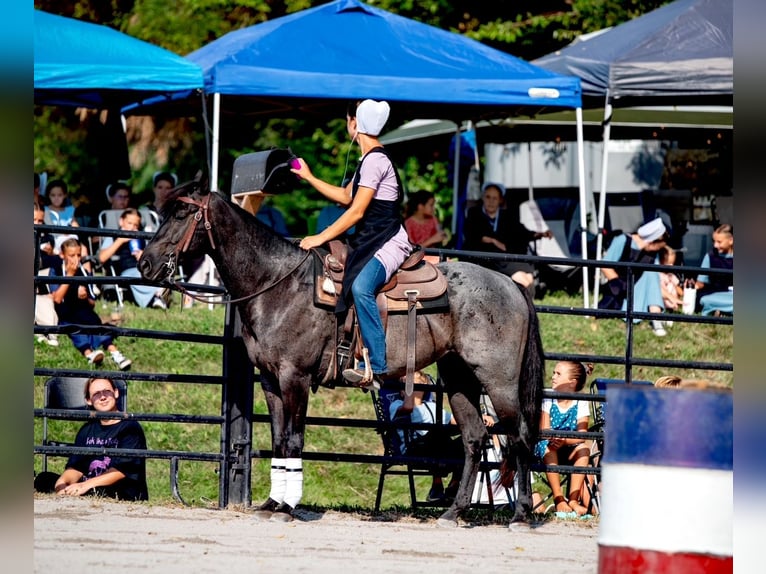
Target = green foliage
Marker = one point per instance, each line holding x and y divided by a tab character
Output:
527	29
326	484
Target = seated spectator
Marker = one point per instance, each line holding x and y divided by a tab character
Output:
676	382
74	306
45	310
501	481
122	477
672	291
59	211
639	247
421	224
420	406
118	194
162	183
492	229
566	415
126	253
716	292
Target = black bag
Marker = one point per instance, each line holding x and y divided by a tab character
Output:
615	292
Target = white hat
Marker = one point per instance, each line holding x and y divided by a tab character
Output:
652	230
371	116
499	186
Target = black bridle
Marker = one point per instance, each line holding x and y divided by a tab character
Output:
183	246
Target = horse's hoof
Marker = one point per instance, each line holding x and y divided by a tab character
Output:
283	513
446	523
265	510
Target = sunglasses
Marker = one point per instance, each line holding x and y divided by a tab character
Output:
98	395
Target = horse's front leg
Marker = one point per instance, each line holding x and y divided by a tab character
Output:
287	409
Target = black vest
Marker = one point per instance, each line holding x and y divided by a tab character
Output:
381	221
719	282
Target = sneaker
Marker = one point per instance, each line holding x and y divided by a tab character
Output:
451	492
48	340
122	362
356	376
658	329
96	357
436	493
158	303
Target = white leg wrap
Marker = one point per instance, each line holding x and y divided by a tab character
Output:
294	474
278	479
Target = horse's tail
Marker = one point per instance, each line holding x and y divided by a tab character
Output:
531	378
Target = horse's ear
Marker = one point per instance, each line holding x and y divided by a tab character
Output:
201	183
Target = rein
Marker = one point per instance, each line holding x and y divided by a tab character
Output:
183	246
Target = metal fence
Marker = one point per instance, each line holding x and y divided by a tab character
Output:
238	379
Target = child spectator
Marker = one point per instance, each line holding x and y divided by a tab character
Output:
120	477
672	291
60	210
566	415
127	252
74	306
421	224
45	310
118	195
420	406
716	292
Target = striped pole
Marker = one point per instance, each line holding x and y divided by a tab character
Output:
667	483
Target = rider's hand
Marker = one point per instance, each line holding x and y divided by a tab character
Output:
310	241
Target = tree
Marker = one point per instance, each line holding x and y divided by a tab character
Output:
524	28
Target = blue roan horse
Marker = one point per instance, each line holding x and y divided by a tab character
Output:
489	340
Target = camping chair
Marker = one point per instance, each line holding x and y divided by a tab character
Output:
392	449
69	393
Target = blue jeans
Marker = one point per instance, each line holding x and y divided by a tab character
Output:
365	286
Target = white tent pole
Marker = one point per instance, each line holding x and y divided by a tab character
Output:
216	141
583	205
602	195
529	166
455	180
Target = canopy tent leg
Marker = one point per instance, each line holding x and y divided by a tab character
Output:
216	141
456	181
602	195
583	205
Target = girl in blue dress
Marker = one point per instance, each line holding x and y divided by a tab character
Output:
567	415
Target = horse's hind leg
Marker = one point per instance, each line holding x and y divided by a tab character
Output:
464	391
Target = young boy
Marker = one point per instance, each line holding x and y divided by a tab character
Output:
74	306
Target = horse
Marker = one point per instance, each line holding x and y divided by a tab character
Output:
488	340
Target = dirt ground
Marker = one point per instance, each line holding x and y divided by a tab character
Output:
87	535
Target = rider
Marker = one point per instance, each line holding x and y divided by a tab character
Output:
379	244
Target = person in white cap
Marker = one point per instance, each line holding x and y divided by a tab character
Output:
379	243
639	247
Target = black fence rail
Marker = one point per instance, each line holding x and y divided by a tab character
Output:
238	379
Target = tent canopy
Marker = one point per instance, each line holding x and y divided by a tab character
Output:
681	51
346	50
82	64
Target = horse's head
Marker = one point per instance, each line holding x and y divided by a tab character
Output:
184	230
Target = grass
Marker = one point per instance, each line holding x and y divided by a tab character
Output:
326	484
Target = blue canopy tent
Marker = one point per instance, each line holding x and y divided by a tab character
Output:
345	50
679	54
89	65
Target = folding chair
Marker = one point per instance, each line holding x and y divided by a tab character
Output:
392	448
69	393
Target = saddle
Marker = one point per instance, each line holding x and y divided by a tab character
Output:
415	274
417	285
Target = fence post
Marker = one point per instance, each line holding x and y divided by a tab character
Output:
237	411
